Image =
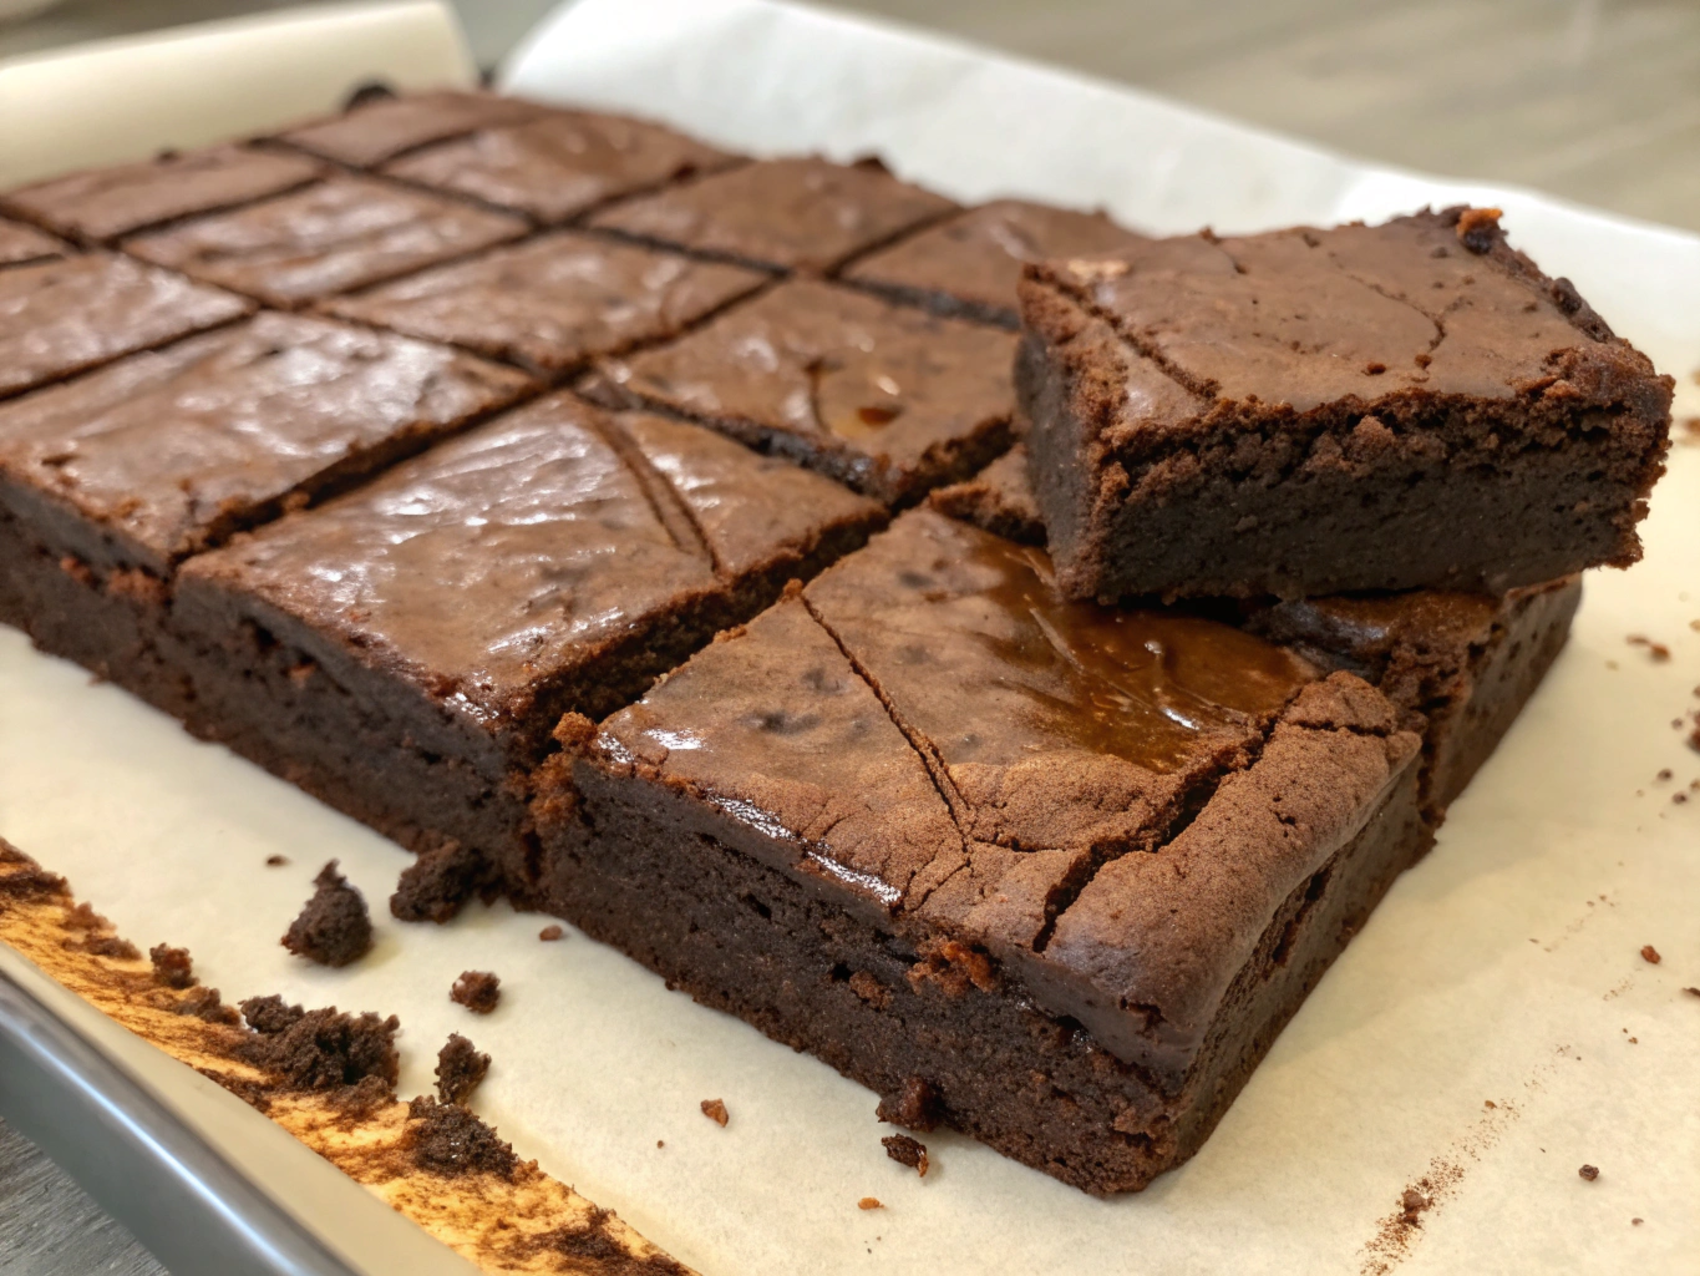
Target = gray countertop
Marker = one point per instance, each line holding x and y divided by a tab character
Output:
1594	100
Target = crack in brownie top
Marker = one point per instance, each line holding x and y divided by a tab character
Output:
385	127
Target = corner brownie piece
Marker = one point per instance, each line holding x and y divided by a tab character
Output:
553	302
46	329
1316	411
383	126
970	265
1051	873
403	652
886	398
342	233
561	163
102	204
20	244
787	214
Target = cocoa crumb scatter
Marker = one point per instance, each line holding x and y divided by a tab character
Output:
1679	798
1657	650
276	861
1589	1172
1635	1222
1489	1103
1650	954
334	928
869	1203
172	966
1665	773
716	1112
477	990
1692	992
907	1151
460	1069
549	934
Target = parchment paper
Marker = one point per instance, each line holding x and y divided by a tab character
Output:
1505	968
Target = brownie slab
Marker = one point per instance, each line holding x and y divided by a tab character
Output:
404	651
886	398
379	129
970	264
1317	411
558	165
554	302
45	308
786	214
1053	873
20	244
102	204
335	235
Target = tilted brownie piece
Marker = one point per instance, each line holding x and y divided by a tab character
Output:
46	331
885	398
381	128
789	214
971	264
1459	666
335	235
556	166
1315	411
112	479
552	303
1065	869
20	244
102	204
403	652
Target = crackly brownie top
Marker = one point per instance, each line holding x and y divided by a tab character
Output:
552	531
974	260
20	243
104	203
172	449
1356	319
46	329
380	129
804	213
561	163
335	235
553	302
824	362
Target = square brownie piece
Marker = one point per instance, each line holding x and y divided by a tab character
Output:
554	167
380	127
404	651
553	302
339	234
970	264
1052	873
786	214
47	332
20	244
888	399
103	204
1316	411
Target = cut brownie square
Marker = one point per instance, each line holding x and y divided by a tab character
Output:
112	479
1051	873
102	204
552	303
382	127
970	265
556	166
885	398
1315	411
20	244
46	329
787	214
404	651
336	235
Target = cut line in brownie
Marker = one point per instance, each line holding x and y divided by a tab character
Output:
404	651
928	819
1317	411
551	303
342	233
21	244
803	213
561	163
886	398
382	127
970	264
46	332
101	205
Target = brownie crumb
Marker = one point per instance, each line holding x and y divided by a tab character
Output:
1589	1172
206	1004
594	1248
447	1139
661	1143
869	1203
1665	773
359	1101
907	1151
1411	1204
916	1106
433	887
715	1111
1478	229
318	1049
477	990
32	883
460	1067
1657	650
1636	1222
172	967
334	928
276	861
1650	954
1692	992
549	934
